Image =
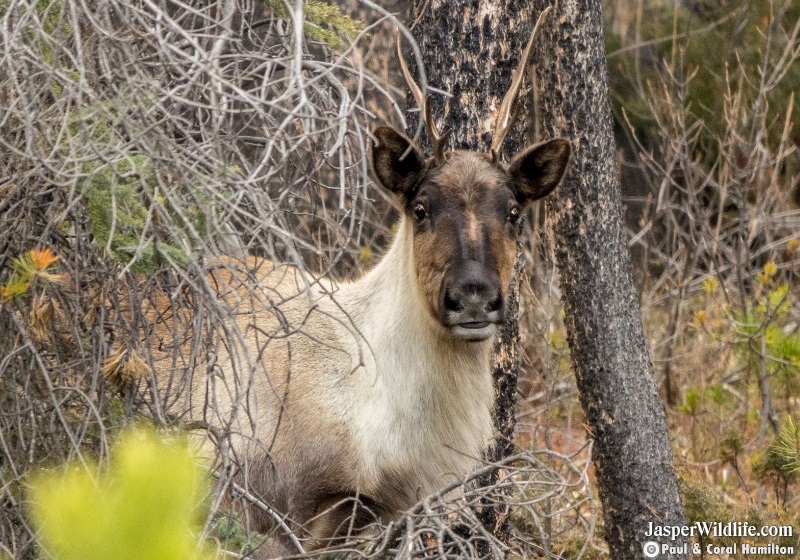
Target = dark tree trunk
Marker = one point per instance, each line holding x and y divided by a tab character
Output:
632	454
470	49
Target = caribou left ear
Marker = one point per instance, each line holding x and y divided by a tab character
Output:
396	162
538	170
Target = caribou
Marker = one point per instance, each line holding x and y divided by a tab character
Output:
368	395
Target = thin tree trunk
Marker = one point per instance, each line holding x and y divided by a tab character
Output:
632	454
470	49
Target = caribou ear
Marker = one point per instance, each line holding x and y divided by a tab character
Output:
395	173
538	170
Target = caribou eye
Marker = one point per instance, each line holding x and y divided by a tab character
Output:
513	215
419	211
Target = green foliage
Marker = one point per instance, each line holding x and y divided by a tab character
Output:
128	218
116	210
324	22
227	527
701	502
51	20
749	349
731	447
692	401
115	198
768	318
771	468
787	446
145	507
702	77
52	14
779	464
718	395
560	356
87	124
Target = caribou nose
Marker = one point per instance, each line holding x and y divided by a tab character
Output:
496	304
472	300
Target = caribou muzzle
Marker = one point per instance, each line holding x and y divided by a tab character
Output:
471	302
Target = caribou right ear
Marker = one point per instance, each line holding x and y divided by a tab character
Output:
538	170
394	172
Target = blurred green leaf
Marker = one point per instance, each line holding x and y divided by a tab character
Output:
692	401
146	506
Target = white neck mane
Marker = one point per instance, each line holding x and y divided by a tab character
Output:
423	394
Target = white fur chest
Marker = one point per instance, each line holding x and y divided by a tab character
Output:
421	411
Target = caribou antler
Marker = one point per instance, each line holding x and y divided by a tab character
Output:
438	141
505	117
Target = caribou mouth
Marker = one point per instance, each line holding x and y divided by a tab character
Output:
474	325
474	331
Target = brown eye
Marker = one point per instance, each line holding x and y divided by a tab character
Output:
513	215
419	211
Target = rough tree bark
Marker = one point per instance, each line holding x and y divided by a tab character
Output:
632	454
470	49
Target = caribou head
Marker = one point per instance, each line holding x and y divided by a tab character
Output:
465	208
